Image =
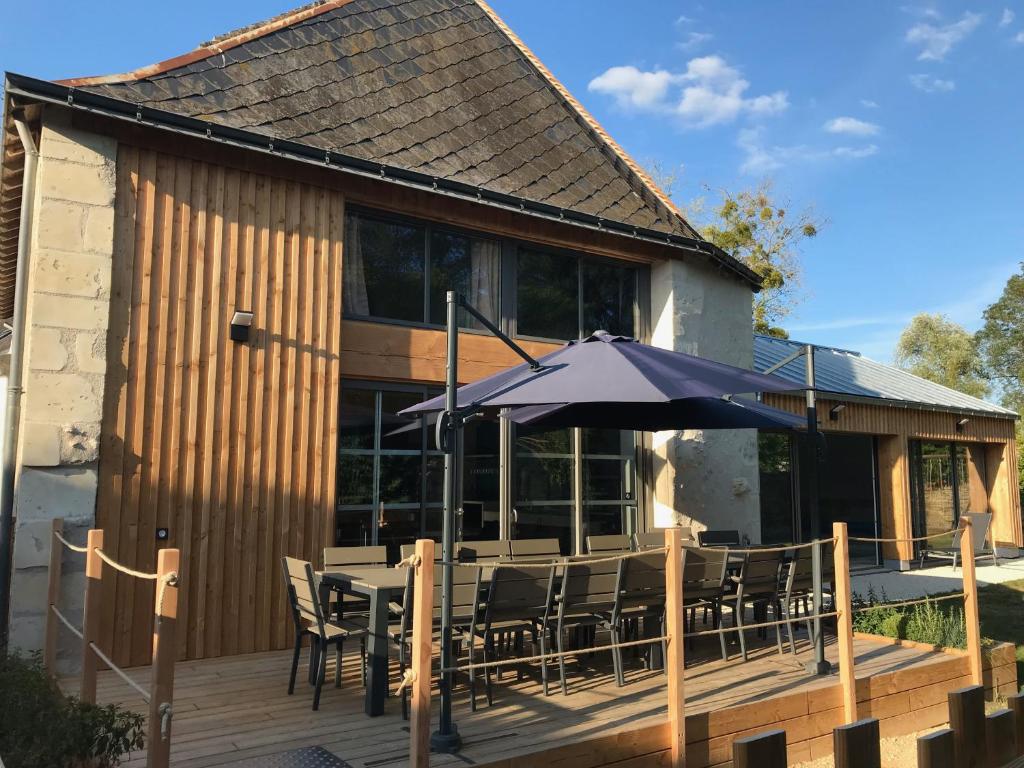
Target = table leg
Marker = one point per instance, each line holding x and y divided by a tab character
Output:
377	654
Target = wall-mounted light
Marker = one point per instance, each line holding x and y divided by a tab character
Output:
961	425
240	324
835	410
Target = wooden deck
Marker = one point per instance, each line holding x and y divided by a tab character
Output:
229	711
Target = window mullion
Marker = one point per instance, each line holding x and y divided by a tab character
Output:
375	511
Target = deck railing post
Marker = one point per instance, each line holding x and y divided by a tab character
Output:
844	622
91	614
422	653
858	744
674	626
165	618
53	596
971	618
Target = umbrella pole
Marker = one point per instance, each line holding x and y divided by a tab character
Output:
446	738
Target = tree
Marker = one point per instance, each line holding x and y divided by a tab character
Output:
935	348
1001	340
756	229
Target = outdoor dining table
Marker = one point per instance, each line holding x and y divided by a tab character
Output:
381	586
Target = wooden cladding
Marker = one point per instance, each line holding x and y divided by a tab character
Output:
230	446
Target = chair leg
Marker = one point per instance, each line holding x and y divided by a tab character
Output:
719	623
615	634
321	670
488	690
337	664
295	663
472	669
561	660
787	617
738	621
543	635
314	652
777	612
362	660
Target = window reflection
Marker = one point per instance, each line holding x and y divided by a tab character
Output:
547	295
609	298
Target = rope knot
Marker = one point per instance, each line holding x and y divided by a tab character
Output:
166	712
408	678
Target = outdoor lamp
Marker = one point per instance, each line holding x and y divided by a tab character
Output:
960	425
240	323
835	410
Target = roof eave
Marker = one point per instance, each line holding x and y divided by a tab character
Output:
889	402
69	96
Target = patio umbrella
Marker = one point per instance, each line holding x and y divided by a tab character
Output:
604	369
692	413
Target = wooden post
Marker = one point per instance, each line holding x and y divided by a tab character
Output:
936	750
53	596
765	750
844	622
1000	737
967	719
1015	702
858	745
91	614
422	651
971	618
674	663
161	689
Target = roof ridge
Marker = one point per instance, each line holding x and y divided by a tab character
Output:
589	119
216	46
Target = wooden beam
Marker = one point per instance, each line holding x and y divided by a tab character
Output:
967	719
971	616
422	652
1000	737
53	596
936	750
858	745
844	622
1015	703
674	624
765	750
165	650
91	614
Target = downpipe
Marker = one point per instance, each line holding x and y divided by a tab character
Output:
15	390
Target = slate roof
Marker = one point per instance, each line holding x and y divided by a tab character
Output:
438	86
844	372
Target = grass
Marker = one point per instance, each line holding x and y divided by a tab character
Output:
1001	609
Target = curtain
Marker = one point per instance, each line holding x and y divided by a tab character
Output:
484	279
354	300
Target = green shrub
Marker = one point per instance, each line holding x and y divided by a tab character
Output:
933	623
43	728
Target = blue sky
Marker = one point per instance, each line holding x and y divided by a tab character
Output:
899	124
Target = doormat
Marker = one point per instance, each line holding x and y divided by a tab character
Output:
306	757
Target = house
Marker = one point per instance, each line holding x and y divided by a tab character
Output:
226	275
902	457
332	172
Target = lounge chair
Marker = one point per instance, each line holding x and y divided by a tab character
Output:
981	522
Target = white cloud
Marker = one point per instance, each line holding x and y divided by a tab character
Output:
710	92
930	84
851	126
694	40
938	40
633	88
924	11
760	158
1019	38
869	104
1007	18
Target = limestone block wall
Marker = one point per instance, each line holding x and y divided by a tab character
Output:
67	316
707	479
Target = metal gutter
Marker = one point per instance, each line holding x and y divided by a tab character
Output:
913	405
8	467
54	93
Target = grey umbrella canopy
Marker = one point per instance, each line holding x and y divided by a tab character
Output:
692	413
611	370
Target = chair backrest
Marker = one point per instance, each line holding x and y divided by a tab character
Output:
338	556
801	568
703	571
588	587
535	548
482	551
727	538
611	542
408	550
465	589
760	571
519	594
642	583
980	524
302	592
655	538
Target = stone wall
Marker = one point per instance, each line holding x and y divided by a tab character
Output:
65	365
705	479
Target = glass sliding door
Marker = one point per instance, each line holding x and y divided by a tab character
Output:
545	497
777	470
609	481
481	481
947	479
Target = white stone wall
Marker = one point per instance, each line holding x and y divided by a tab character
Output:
705	479
65	366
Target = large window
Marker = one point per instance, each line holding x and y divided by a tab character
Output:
398	270
562	296
947	479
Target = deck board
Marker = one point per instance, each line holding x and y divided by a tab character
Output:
233	709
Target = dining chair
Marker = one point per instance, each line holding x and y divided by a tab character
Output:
704	577
482	551
338	557
534	548
309	620
639	595
798	587
611	542
655	538
758	584
722	538
585	603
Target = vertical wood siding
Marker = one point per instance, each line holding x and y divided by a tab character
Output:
231	446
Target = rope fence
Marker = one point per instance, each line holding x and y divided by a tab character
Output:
897	540
165	608
763	624
908	603
551	655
